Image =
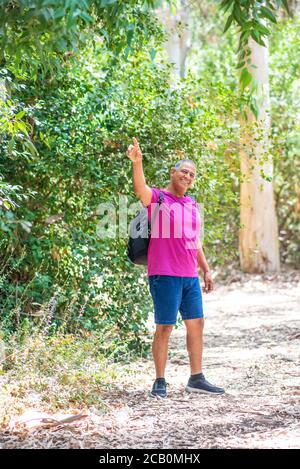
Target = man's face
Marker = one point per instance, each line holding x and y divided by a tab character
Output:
183	177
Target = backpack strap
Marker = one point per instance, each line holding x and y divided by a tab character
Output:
161	197
160	200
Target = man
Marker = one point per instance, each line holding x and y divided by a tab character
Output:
173	270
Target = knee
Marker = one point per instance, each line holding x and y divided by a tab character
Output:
163	330
195	326
200	324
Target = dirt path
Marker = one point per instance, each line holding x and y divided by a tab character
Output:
251	348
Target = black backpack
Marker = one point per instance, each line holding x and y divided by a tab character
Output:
140	233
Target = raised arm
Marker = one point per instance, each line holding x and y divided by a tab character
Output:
141	190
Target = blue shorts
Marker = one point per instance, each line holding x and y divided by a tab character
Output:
170	294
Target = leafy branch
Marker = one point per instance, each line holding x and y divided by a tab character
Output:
253	18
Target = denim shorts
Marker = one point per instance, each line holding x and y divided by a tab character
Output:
171	294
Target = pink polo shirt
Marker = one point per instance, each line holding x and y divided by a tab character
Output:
174	236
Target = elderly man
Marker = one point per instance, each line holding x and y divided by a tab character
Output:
173	262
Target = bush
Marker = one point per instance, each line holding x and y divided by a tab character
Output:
82	123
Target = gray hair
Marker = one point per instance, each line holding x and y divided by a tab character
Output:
179	163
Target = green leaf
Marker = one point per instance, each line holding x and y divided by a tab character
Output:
20	115
255	35
271	6
226	4
31	147
286	6
152	53
105	3
129	37
85	16
266	13
240	64
10	146
245	78
22	126
59	13
237	14
228	23
254	108
254	86
262	29
126	52
244	38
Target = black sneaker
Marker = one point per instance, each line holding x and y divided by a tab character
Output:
159	388
198	383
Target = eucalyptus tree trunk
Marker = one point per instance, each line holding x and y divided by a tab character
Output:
258	242
176	25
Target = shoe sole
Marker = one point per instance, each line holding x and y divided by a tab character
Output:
157	395
202	391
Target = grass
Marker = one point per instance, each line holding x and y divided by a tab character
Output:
59	372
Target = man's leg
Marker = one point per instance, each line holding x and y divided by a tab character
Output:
160	348
166	294
194	343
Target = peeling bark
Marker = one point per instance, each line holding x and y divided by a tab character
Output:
258	242
178	43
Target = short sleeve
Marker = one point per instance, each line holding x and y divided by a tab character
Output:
154	200
155	195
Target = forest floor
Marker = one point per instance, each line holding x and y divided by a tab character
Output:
251	349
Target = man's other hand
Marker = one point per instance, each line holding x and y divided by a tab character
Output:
208	283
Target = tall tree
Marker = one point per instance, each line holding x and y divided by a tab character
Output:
175	19
258	242
259	247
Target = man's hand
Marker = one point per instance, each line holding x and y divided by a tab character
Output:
208	283
134	152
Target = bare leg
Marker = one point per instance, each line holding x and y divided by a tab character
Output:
194	343
160	348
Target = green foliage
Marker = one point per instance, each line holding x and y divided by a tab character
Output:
55	267
82	123
285	84
41	33
253	19
216	58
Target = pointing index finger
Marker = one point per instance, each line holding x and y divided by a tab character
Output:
136	143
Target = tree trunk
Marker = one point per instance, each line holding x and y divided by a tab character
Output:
258	243
177	45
